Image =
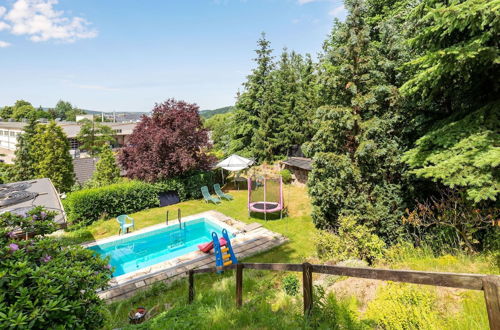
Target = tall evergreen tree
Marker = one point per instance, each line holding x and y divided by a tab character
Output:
253	102
52	157
24	161
356	147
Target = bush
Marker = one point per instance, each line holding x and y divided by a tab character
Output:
402	306
286	175
45	285
351	241
88	205
290	284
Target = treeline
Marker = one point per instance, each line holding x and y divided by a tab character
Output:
401	108
25	110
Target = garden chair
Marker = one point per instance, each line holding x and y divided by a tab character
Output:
124	225
220	193
208	197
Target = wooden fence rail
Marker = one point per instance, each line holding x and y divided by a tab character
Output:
490	284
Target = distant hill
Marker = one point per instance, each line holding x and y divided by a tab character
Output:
210	113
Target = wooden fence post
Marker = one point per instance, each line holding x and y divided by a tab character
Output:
491	287
191	286
239	285
307	287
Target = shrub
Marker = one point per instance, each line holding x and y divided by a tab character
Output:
290	284
88	205
351	241
45	285
286	175
402	306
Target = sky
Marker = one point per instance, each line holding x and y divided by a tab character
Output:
127	55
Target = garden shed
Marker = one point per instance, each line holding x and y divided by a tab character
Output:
299	167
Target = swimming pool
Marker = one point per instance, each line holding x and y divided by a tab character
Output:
129	254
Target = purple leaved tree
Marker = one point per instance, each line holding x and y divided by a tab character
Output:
169	143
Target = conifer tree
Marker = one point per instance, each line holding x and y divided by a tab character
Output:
356	148
24	161
52	157
107	170
253	102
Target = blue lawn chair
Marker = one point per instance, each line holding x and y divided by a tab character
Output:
124	225
207	196
220	193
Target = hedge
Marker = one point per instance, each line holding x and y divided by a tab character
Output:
88	205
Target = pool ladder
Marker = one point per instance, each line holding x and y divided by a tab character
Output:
178	218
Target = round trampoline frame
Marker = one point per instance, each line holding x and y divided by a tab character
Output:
265	206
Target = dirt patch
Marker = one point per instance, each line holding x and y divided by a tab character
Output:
363	289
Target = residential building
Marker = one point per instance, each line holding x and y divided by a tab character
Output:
9	131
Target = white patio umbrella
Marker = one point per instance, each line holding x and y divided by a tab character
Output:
234	163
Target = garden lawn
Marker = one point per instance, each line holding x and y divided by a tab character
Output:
297	226
265	305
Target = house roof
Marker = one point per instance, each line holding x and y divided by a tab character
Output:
84	168
19	197
299	162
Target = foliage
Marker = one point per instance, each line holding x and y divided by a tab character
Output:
94	136
65	111
462	152
22	110
457	71
403	306
221	127
169	143
24	162
88	205
45	284
51	156
356	148
107	170
290	284
449	220
351	241
286	176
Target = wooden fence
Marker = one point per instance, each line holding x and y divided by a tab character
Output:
489	284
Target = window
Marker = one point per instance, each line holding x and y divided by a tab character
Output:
12	133
118	131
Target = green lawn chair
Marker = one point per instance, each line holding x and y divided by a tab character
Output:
208	197
124	225
220	193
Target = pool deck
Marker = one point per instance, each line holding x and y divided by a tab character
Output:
245	244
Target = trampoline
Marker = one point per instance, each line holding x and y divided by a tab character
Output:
265	195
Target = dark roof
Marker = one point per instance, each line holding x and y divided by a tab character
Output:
300	162
19	197
84	168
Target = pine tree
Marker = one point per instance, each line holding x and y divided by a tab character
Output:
24	161
94	136
107	170
52	157
356	149
253	102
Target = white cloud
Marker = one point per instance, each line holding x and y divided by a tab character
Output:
2	10
4	26
41	22
4	44
338	12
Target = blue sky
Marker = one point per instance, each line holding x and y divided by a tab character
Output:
125	55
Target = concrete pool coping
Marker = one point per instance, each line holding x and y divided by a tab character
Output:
244	245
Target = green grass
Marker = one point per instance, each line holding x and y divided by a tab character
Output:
265	305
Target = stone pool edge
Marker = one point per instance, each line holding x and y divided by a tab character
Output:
244	245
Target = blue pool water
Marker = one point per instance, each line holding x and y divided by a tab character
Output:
135	252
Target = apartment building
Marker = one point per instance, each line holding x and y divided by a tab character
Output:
9	131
